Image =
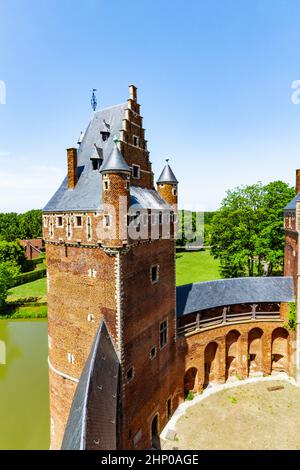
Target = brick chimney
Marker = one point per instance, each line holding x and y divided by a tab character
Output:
72	167
133	92
297	181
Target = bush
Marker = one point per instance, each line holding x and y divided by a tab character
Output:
28	277
190	396
292	317
8	272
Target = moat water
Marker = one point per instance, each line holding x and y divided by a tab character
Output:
24	406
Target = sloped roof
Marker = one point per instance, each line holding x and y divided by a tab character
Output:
291	206
167	175
144	198
203	295
93	418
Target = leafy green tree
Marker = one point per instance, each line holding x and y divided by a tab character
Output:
12	252
30	224
8	271
246	233
15	226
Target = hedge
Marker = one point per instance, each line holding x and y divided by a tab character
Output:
29	277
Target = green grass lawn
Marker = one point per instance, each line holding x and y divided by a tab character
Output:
36	288
27	301
196	266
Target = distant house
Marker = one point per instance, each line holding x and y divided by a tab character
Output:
32	248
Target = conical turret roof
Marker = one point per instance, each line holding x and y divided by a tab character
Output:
115	162
167	175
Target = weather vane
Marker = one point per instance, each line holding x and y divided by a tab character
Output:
94	100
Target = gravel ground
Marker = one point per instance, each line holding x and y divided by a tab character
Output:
245	417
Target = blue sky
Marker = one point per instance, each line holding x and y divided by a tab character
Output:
214	82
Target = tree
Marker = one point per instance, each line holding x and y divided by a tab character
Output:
12	252
246	233
30	224
8	271
15	226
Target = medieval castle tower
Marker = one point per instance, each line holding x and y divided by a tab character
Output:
97	271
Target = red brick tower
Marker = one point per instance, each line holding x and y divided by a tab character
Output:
95	274
167	185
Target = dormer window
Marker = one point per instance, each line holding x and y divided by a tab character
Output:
97	157
105	135
136	171
105	132
135	140
96	163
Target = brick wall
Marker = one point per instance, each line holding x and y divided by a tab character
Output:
81	292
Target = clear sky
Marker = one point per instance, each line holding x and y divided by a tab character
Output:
214	82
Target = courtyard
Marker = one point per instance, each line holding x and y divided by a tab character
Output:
256	416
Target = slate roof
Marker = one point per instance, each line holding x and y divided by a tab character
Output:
92	422
203	295
87	194
167	175
115	162
291	206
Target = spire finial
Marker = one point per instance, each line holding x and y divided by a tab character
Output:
94	100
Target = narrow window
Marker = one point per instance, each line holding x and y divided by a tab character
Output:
127	185
136	171
160	217
68	228
106	220
130	374
174	191
78	221
169	408
88	228
153	352
106	185
135	141
71	358
163	333
45	222
51	228
154	273
59	221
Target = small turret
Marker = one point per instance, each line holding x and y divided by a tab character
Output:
167	185
115	197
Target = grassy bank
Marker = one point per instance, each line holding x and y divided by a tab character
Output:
27	301
36	288
196	266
